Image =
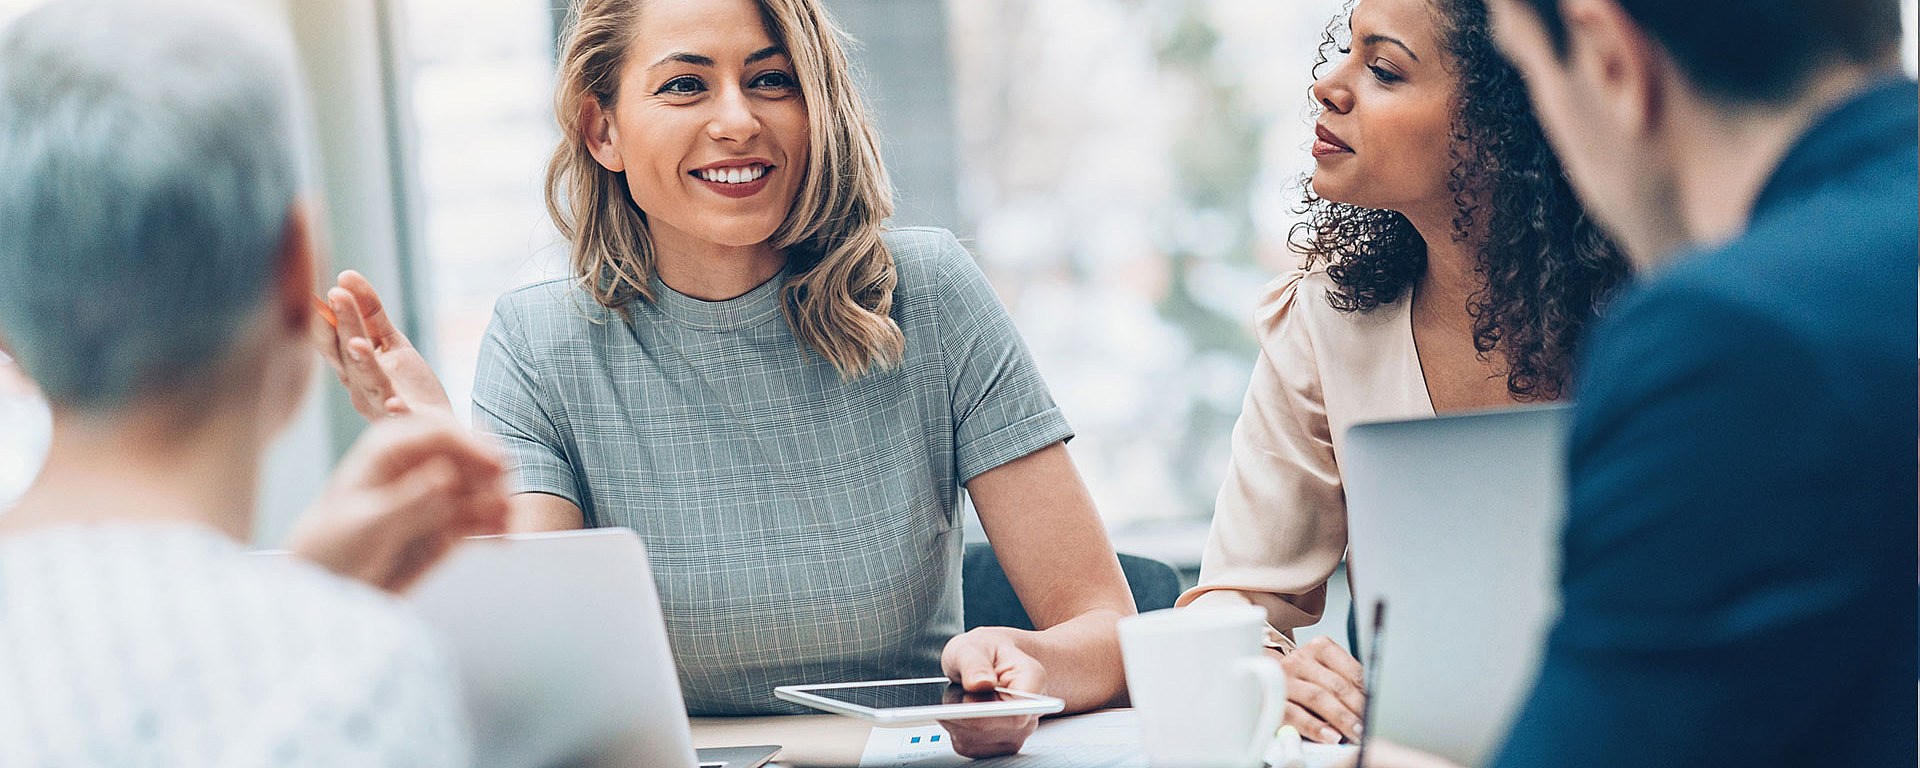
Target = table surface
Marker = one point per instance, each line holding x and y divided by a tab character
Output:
834	741
805	740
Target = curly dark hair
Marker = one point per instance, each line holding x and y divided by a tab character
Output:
1545	266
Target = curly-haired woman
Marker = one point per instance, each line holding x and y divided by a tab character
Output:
783	399
1448	267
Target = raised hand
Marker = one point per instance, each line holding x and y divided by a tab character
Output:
383	373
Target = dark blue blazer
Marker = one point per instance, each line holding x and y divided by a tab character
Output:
1739	565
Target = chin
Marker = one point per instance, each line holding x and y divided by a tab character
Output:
1331	187
740	235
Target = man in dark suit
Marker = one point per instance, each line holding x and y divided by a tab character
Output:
1739	564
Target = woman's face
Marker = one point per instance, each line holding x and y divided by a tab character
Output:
709	125
1387	112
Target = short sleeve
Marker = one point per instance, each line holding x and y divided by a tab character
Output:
1279	523
509	403
1001	407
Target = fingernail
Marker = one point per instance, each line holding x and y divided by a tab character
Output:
1359	729
355	354
1331	736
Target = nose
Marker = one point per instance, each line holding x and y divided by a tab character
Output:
733	118
1332	92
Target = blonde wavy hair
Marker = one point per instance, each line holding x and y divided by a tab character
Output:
840	294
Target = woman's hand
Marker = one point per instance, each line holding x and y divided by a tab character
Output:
402	496
980	661
383	373
1326	691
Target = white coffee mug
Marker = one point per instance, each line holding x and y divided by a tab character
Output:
1205	692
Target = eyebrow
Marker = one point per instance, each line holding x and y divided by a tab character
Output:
1376	39
683	57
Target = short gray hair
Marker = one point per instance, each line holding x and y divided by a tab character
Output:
149	155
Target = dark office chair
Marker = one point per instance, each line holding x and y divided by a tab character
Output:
988	600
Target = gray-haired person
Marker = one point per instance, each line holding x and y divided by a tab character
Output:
155	267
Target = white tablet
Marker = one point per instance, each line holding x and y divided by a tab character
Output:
921	700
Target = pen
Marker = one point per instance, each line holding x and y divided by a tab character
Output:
1373	681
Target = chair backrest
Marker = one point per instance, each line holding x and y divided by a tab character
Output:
989	599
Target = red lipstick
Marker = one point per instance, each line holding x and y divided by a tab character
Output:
1325	143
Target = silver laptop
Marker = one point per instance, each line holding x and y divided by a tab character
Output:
1455	523
563	653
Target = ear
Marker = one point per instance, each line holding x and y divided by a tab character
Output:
603	138
296	269
1621	67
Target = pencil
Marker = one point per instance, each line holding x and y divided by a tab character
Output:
326	312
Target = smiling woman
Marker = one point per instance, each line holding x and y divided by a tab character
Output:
797	483
685	78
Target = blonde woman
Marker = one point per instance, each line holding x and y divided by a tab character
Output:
783	399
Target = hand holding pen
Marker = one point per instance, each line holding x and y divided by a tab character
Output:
384	374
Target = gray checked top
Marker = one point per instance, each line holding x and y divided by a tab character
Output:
802	529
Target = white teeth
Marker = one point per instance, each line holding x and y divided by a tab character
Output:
734	175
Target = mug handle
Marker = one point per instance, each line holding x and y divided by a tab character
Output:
1273	703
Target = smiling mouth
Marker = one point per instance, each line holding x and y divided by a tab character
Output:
744	174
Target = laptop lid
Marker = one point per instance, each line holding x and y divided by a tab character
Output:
1455	522
561	649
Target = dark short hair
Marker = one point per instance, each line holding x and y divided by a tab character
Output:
1754	50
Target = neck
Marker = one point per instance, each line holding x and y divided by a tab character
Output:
1722	157
144	465
710	271
1452	274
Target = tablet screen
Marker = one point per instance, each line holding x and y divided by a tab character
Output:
895	696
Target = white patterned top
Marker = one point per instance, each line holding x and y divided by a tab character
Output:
168	645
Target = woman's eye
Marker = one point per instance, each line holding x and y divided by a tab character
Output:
1343	50
683	86
1383	74
779	80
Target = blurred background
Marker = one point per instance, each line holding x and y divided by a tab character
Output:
1126	172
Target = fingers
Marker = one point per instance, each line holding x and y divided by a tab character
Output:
417	522
990	736
325	339
1338	660
1310	726
1331	703
971	664
1312	692
374	316
366	381
1329	666
1014	669
394	446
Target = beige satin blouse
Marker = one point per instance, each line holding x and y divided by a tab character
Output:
1280	522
